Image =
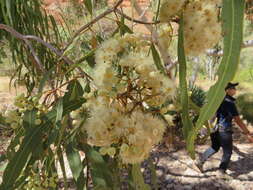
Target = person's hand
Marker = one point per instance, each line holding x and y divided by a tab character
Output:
250	138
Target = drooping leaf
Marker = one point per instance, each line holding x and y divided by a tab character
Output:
153	174
187	123
123	28
137	177
87	88
232	19
62	165
75	163
59	110
157	59
100	172
88	5
75	91
29	119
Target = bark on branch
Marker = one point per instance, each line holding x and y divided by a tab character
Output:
26	38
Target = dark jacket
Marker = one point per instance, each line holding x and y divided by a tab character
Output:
226	112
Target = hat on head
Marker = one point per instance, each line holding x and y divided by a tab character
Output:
231	85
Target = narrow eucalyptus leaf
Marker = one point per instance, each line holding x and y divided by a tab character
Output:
232	19
32	139
138	179
59	109
88	5
187	123
74	160
157	59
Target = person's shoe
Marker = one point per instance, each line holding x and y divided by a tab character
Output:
199	165
222	174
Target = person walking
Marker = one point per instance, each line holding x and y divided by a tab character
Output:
222	132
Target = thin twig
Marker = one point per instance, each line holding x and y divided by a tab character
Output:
140	21
134	20
213	52
84	27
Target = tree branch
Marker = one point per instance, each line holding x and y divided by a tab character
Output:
26	38
84	27
213	52
140	21
134	20
27	43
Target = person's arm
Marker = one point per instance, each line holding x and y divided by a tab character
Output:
239	122
245	130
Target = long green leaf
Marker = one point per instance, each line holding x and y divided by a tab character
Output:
59	110
32	139
74	159
157	59
138	178
123	28
62	165
29	119
232	17
100	172
187	123
88	5
153	174
76	165
75	91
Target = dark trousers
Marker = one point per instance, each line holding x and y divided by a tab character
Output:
224	140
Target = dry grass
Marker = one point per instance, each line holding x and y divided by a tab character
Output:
7	94
4	84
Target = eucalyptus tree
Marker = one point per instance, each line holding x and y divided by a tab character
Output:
117	110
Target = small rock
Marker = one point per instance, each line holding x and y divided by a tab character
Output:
179	187
243	177
168	179
169	186
188	187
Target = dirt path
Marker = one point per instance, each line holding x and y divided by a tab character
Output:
177	171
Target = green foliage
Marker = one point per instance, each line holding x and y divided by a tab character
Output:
88	5
157	59
137	177
187	123
245	106
198	95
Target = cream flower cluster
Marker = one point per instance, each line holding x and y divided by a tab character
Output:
130	136
169	8
202	30
156	87
128	83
